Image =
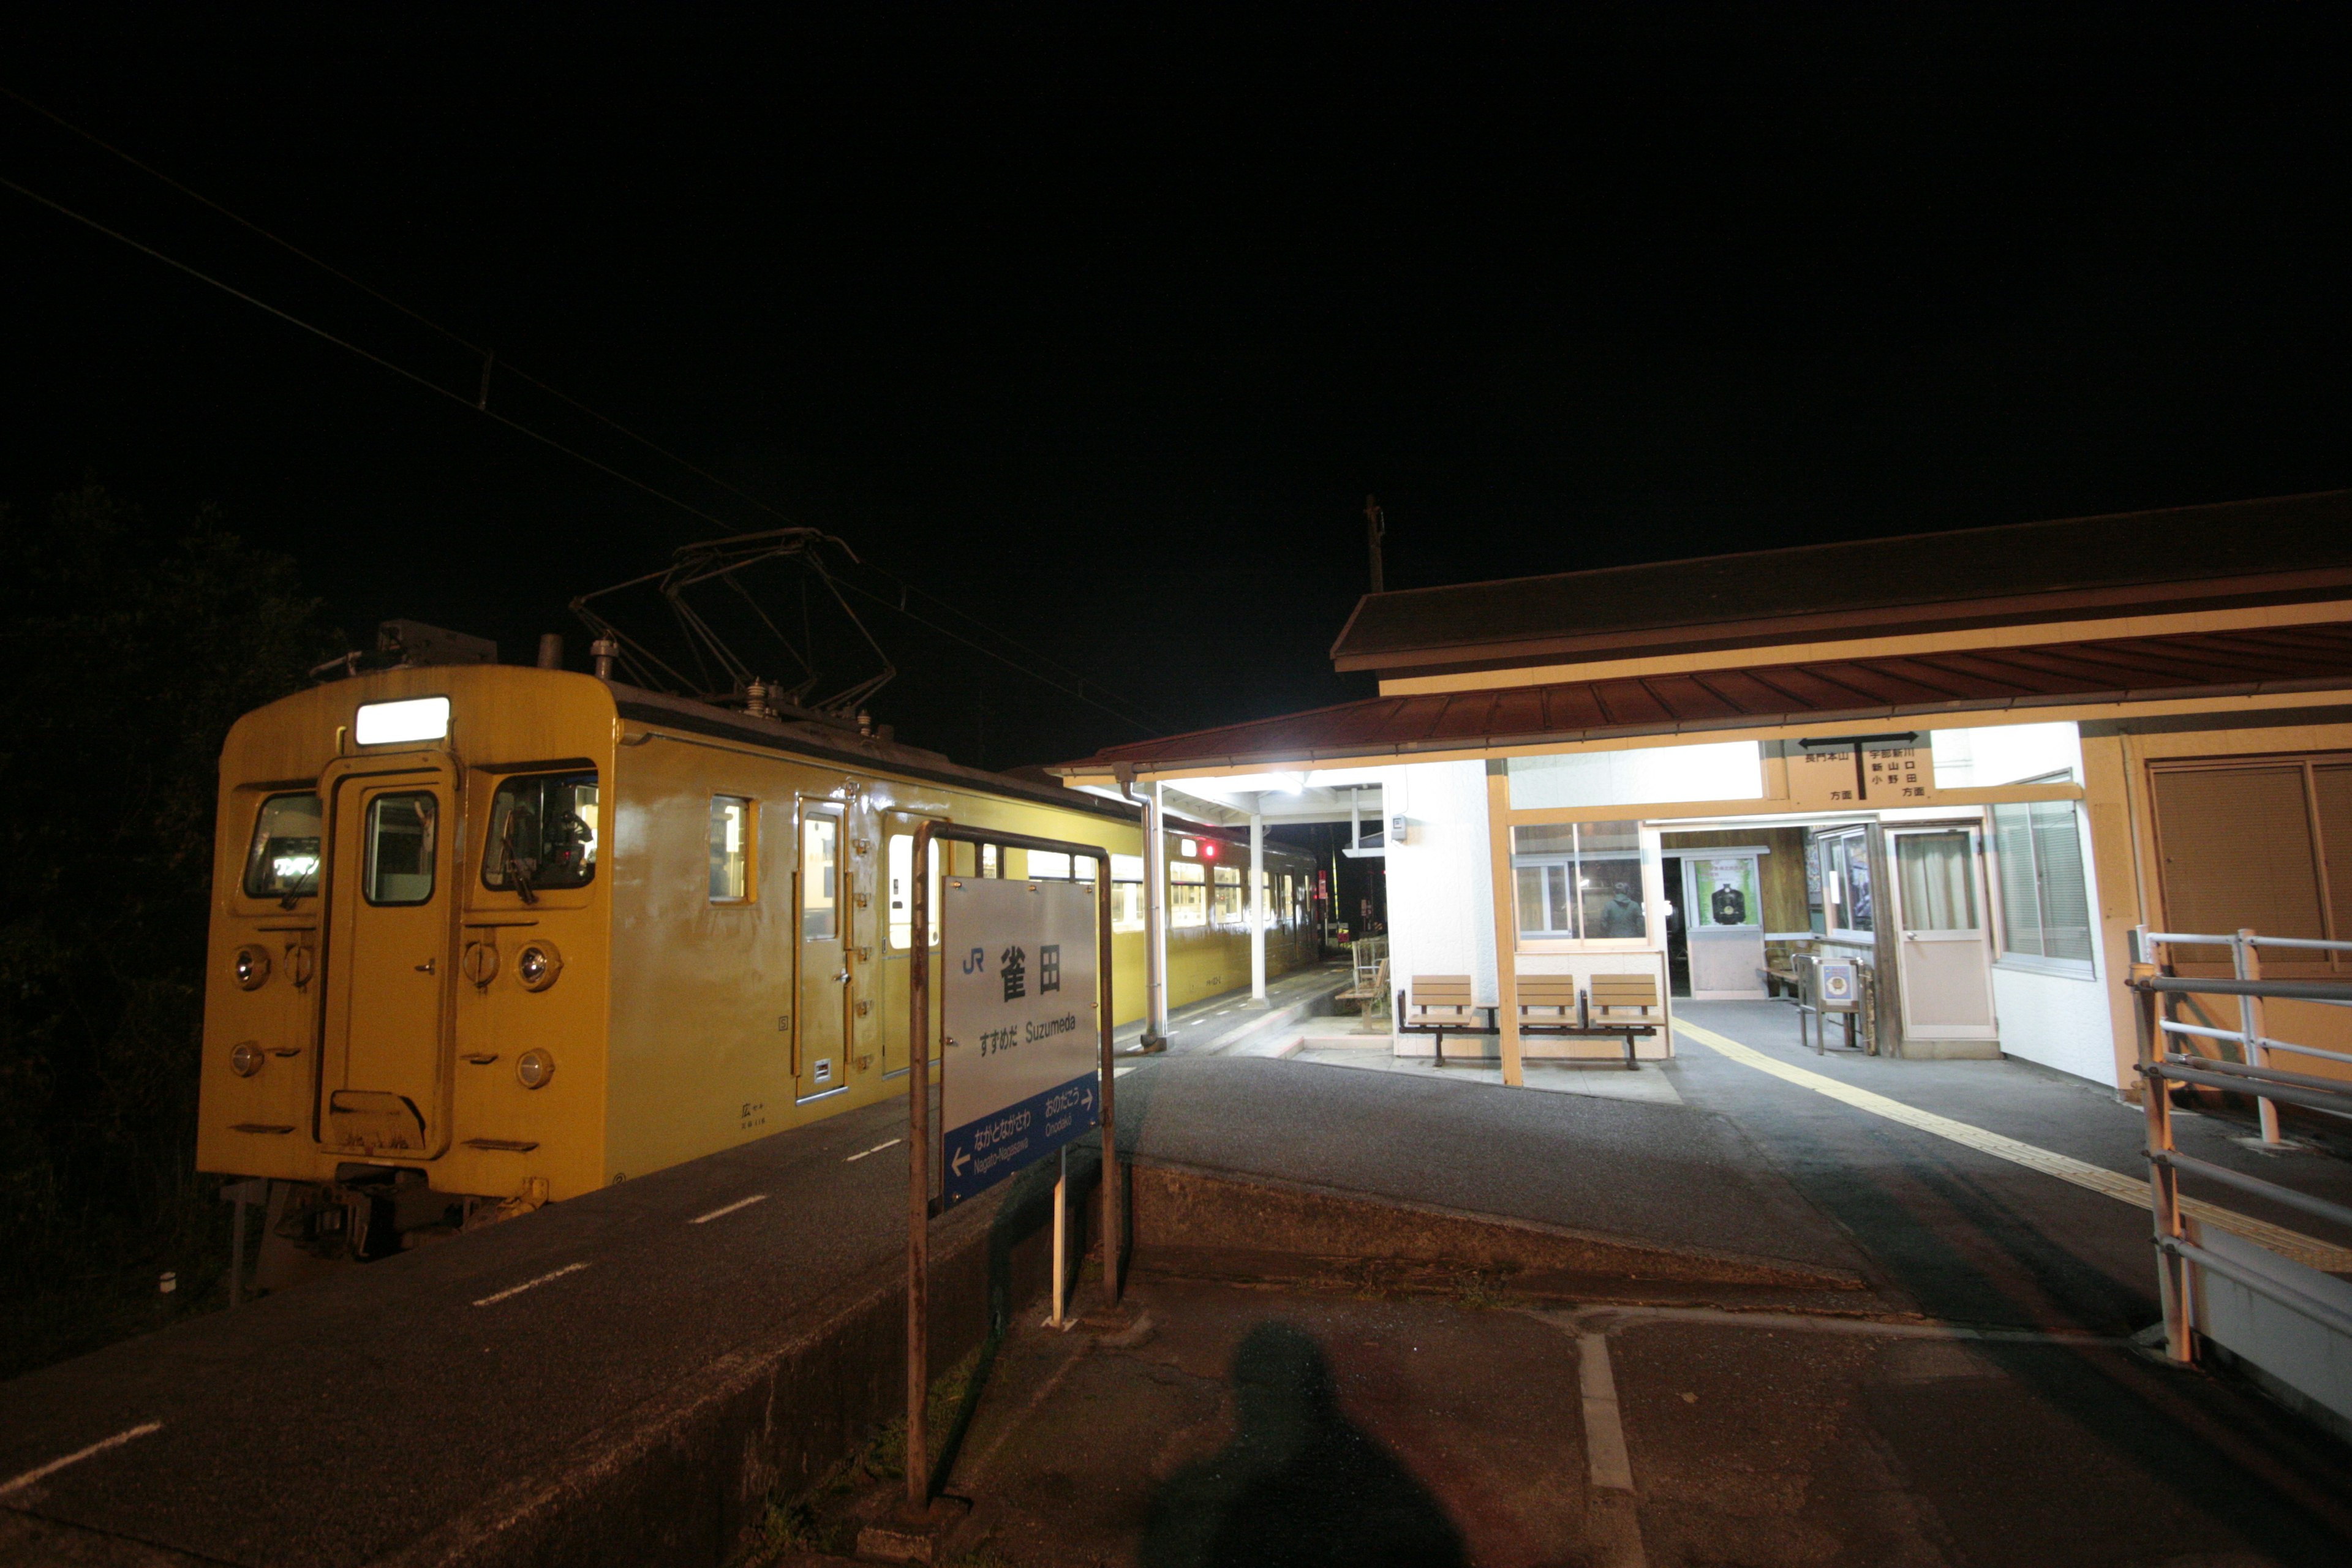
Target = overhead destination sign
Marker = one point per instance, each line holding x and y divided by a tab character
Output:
1023	1032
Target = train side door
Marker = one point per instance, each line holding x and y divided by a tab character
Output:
820	1056
383	1057
898	916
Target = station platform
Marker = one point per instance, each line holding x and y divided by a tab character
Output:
630	1375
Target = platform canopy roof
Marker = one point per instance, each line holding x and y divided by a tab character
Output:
1862	691
2130	562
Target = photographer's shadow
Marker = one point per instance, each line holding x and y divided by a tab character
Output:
1299	1483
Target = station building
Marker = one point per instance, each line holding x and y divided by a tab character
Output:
1973	761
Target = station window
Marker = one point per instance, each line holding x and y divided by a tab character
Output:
1188	894
1579	881
2045	910
543	834
1229	895
284	860
730	848
900	856
400	836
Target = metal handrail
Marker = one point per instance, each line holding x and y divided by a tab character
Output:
2253	939
2203	1031
2160	1068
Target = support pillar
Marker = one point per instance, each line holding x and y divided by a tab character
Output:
1506	926
1155	922
1258	907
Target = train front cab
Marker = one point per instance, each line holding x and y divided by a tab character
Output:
386	1006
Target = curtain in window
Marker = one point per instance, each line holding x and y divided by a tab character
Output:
1938	881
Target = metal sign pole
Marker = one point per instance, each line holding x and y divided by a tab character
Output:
919	1178
1111	1205
919	1130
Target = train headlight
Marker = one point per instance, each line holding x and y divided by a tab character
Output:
533	1068
246	1059
538	964
251	966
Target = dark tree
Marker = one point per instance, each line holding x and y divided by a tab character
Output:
127	648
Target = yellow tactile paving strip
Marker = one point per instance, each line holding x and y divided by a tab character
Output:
2307	1251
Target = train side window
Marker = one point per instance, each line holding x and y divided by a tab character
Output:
401	832
284	860
543	834
821	879
1188	894
902	890
1229	895
1048	865
730	848
1127	892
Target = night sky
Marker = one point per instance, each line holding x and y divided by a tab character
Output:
1103	331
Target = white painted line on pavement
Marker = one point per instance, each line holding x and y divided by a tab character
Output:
1604	1432
2308	1250
730	1208
876	1150
529	1284
54	1465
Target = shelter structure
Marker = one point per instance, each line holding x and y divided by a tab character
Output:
1972	762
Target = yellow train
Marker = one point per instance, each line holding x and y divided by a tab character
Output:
490	934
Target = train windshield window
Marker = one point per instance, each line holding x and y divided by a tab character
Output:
543	834
284	860
730	848
401	832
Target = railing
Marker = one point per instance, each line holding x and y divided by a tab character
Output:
2190	1306
2247	985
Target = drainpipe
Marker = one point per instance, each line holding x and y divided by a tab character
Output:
1155	912
1155	922
1258	907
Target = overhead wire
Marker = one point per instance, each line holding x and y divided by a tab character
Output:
1137	714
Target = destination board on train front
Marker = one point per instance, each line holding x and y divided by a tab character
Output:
1019	1014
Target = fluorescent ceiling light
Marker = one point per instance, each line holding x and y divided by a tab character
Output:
413	719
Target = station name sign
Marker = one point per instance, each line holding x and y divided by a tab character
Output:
1020	1012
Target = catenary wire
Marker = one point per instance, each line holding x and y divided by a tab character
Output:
481	406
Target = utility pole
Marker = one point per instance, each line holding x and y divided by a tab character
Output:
1376	525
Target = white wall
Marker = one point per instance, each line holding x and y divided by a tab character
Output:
1440	879
2059	1020
1644	776
1992	754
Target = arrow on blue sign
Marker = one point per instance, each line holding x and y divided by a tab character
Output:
979	1154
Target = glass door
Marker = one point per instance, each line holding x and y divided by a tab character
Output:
1723	920
1944	960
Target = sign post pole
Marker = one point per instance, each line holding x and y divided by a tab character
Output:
1013	1099
919	1179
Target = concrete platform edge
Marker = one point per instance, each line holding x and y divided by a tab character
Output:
685	1480
1179	1213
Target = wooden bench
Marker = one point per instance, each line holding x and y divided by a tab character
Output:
1440	1005
1545	1001
1772	979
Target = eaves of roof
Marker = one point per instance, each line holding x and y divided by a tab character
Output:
2219	665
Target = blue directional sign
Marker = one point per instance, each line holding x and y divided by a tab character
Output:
979	1154
1022	1025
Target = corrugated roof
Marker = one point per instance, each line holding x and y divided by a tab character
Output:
1864	690
2240	551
